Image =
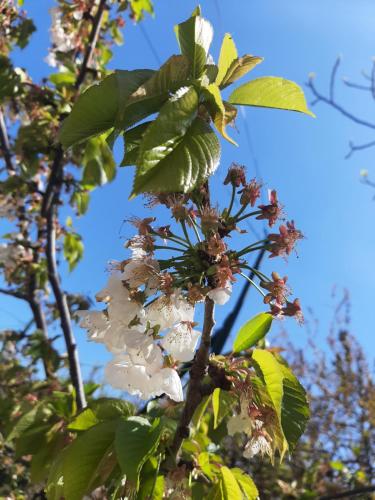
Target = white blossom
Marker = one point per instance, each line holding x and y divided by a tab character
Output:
181	342
169	310
221	295
257	444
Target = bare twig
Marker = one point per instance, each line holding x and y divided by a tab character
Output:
349	493
358	147
197	372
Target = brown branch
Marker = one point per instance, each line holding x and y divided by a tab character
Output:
197	372
4	144
349	493
51	200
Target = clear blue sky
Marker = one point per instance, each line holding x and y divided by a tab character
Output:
303	158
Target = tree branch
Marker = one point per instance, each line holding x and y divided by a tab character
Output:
50	203
197	372
223	333
349	493
4	144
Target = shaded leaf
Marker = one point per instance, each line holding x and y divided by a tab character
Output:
98	164
251	332
136	441
189	165
96	109
271	92
217	110
132	140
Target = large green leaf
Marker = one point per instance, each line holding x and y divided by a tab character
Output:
96	110
273	376
88	460
98	164
249	490
136	441
36	416
132	140
228	53
295	408
191	162
166	132
252	331
100	410
153	93
271	92
194	37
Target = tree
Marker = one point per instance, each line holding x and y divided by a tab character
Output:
172	447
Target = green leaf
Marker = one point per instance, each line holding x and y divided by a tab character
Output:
64	78
228	53
37	415
98	164
239	67
73	249
138	8
271	92
136	441
222	403
151	95
194	37
229	485
97	109
84	420
249	490
217	110
87	460
132	140
101	409
252	331
189	165
272	374
295	408
166	132
81	199
41	461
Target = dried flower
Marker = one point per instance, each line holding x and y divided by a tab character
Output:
271	212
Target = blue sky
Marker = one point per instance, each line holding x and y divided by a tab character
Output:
303	158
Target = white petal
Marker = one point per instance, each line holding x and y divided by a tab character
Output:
181	342
221	295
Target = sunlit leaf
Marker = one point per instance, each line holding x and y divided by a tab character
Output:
228	53
239	67
217	110
229	485
271	92
252	331
249	490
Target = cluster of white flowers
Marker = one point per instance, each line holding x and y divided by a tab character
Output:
259	441
61	40
10	254
147	337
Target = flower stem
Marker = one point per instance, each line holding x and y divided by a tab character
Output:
253	283
231	200
183	225
195	228
256	212
159	247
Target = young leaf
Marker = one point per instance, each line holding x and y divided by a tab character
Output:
97	108
87	461
166	132
252	331
222	403
132	140
228	53
73	249
217	110
271	92
150	96
239	67
229	486
216	405
191	162
249	490
194	37
136	440
84	420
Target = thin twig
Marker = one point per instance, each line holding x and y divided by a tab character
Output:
358	147
349	493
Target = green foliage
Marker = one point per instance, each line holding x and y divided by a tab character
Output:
73	249
271	92
136	441
178	151
252	332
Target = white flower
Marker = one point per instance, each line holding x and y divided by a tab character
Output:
149	355
167	381
142	271
181	342
258	444
168	310
95	322
114	290
221	295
